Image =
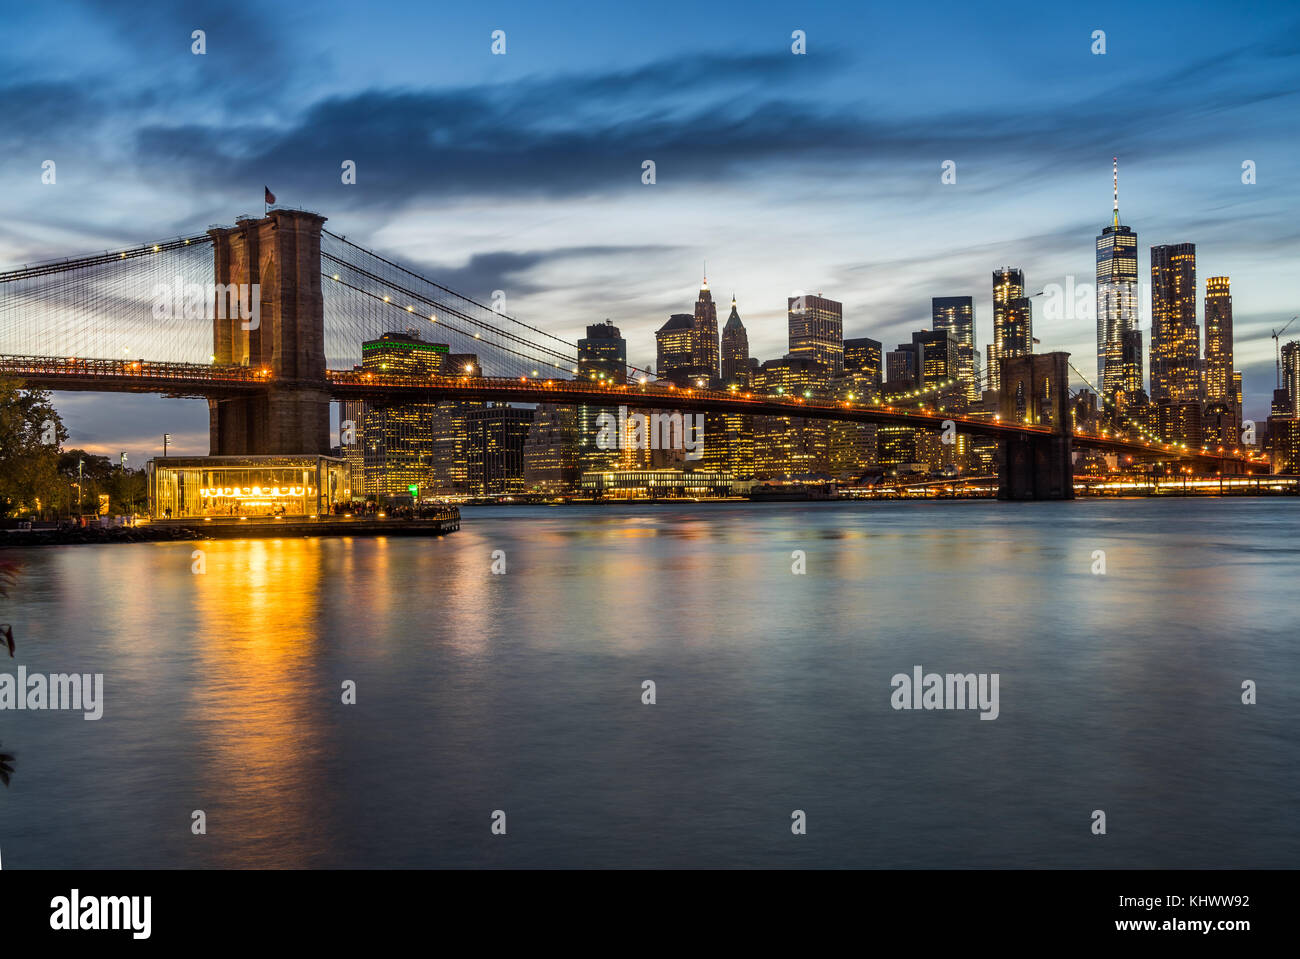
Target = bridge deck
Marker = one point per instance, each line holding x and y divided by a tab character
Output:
211	380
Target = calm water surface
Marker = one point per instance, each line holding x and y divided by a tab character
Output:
522	692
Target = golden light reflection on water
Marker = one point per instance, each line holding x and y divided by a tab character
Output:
258	650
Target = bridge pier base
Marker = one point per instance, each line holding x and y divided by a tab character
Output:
1033	468
1035	390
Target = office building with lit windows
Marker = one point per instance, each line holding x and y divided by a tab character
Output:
449	472
1013	333
1117	306
817	330
675	342
496	435
735	351
602	357
789	446
551	450
1218	341
956	316
603	352
902	368
704	342
352	424
1175	336
397	439
863	355
938	357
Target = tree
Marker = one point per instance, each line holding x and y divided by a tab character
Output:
126	488
31	431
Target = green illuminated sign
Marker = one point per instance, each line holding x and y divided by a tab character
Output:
413	490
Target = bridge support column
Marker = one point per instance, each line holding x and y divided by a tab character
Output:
1035	391
275	264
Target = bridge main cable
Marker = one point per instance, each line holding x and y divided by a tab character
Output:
98	259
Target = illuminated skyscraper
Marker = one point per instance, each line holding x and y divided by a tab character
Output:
551	450
1117	307
863	355
1175	337
787	446
1218	341
450	467
675	341
956	315
352	414
1013	333
1291	375
602	357
1131	368
603	351
938	357
496	437
397	439
902	368
817	330
735	350
704	346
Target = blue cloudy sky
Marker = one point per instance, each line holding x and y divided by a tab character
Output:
522	172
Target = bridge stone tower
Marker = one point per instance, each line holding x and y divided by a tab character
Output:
1035	391
279	258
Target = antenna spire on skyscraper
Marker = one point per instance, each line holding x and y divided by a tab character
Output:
1116	175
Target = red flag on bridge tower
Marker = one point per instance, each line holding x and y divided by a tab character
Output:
270	197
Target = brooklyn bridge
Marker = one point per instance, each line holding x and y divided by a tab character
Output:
270	373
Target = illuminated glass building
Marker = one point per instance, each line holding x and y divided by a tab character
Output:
1175	337
728	444
655	484
895	447
704	342
675	342
817	330
551	450
353	411
939	356
602	357
735	350
1218	341
1131	371
603	352
397	438
496	437
863	355
956	316
789	446
1181	422
901	368
1284	397
1117	306
251	486
1013	333
449	472
1284	443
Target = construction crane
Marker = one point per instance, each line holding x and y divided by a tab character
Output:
1277	349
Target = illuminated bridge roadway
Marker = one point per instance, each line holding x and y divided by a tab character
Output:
214	381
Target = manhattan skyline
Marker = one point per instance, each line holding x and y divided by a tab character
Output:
818	172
